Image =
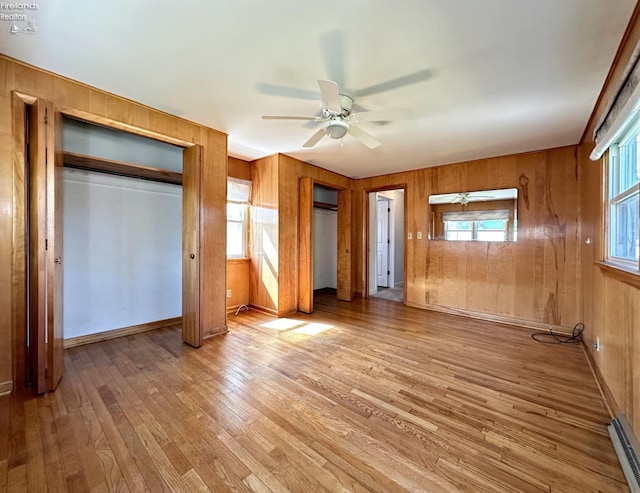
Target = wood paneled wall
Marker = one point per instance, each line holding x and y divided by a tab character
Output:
290	172
239	168
535	279
238	270
611	307
274	229
71	96
264	239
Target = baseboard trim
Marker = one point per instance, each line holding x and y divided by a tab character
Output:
262	309
609	401
124	331
488	317
6	388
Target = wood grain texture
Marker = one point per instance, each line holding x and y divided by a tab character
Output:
213	242
535	279
239	168
81	161
192	260
290	171
238	282
263	286
305	248
345	273
263	409
610	303
83	102
37	206
55	235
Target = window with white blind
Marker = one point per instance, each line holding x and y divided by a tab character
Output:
238	200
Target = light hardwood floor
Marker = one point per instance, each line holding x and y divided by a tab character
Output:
361	396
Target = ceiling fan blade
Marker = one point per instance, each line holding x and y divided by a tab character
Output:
364	137
279	117
382	116
330	96
289	92
315	138
405	80
332	45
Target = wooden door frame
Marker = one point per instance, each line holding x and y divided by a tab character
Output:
305	241
21	103
366	257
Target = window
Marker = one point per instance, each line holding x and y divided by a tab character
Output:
238	197
489	225
623	213
476	230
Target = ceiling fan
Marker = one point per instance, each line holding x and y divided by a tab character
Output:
340	121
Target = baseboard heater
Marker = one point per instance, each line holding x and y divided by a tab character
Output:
628	450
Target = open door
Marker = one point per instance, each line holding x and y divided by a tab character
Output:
305	253
44	235
382	243
191	327
55	332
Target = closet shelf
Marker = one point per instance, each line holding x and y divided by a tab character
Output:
81	161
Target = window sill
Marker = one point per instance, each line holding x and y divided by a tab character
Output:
622	274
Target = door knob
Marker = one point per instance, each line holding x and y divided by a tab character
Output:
192	255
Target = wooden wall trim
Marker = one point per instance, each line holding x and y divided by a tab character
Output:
124	331
609	401
628	277
92	163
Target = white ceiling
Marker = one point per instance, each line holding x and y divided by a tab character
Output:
482	78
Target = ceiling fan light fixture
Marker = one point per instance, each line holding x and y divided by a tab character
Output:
337	129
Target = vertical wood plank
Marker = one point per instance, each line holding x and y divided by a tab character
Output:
37	244
345	274
55	330
305	249
191	255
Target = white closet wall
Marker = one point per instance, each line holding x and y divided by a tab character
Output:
122	237
325	249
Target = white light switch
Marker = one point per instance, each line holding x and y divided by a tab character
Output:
419	235
409	236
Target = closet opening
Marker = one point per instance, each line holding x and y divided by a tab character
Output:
325	240
122	235
385	244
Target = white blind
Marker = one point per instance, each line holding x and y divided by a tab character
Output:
497	215
238	190
622	108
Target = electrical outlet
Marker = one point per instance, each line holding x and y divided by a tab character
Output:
228	293
409	236
419	235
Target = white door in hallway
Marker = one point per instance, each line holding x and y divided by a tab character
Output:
382	253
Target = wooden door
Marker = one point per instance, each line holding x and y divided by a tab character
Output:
38	146
191	327
382	243
44	239
55	332
344	291
305	253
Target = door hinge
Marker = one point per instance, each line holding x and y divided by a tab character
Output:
46	244
46	115
389	242
388	272
389	209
